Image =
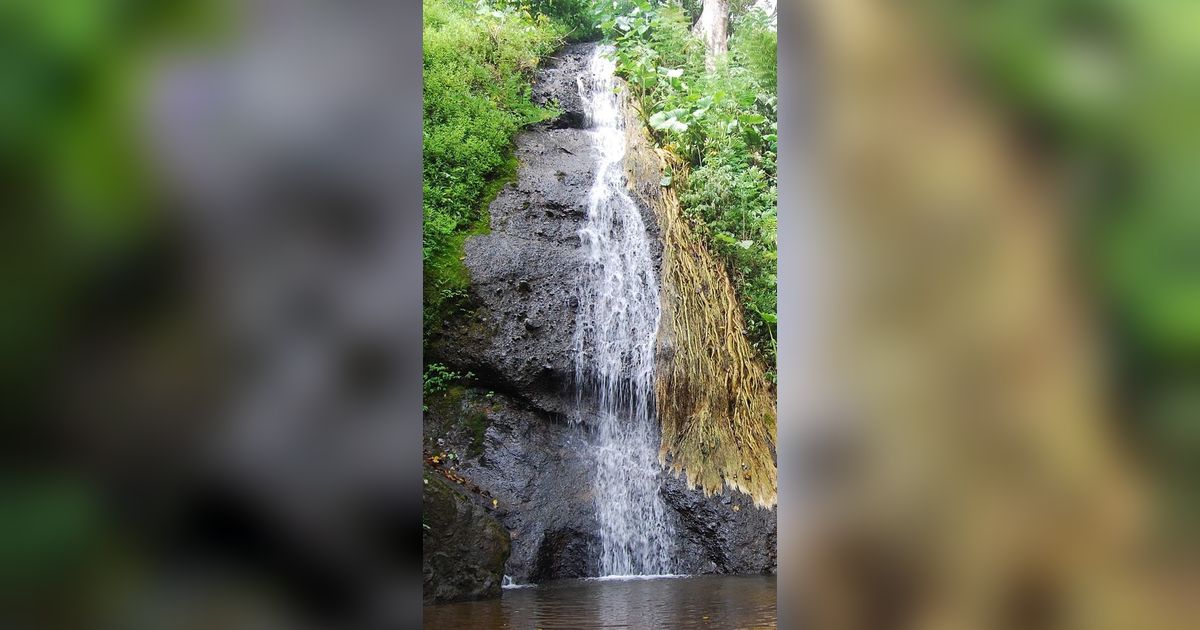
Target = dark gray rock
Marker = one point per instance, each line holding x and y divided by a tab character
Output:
733	541
539	472
463	548
523	275
565	553
556	85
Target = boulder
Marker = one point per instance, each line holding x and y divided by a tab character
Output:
464	549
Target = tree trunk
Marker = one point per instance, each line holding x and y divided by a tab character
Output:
713	29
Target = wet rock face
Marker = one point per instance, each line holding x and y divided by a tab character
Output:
537	470
720	538
463	548
556	85
516	432
523	274
565	553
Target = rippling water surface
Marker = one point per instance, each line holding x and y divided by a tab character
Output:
716	601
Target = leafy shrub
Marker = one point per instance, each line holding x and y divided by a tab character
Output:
438	378
735	202
574	16
754	45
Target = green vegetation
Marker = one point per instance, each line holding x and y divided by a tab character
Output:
443	388
477	424
479	59
438	378
478	65
79	202
80	211
723	124
1109	85
574	17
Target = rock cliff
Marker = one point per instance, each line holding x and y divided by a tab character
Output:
515	431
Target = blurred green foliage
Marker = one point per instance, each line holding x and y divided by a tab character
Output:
49	533
79	207
723	123
78	199
1111	89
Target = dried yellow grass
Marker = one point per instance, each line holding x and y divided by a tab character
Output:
714	402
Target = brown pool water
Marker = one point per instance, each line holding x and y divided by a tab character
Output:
710	601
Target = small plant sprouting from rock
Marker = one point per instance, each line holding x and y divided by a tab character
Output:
438	378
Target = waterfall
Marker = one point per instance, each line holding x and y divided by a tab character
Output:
614	347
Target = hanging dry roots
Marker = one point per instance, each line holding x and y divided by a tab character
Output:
714	401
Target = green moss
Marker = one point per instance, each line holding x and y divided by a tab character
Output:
477	423
447	279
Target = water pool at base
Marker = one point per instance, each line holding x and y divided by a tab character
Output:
709	601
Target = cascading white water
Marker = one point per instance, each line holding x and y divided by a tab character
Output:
614	347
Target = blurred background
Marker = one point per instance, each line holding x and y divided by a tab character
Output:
210	323
1005	434
211	377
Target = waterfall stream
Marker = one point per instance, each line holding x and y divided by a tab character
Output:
614	347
